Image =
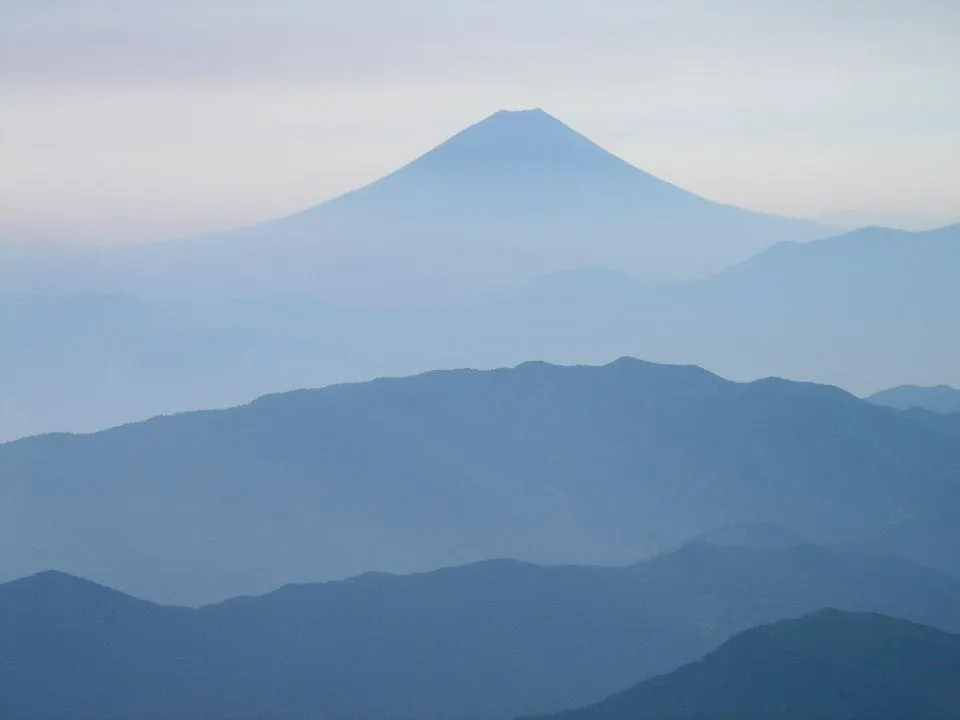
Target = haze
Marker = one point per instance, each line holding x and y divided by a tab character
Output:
479	360
132	121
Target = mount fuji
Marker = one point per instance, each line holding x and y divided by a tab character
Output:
513	197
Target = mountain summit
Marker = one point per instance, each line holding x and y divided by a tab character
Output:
529	160
519	137
515	135
513	197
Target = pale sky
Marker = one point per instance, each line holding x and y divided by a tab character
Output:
128	120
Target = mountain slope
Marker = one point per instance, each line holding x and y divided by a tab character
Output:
861	311
827	666
515	196
544	463
80	649
941	399
487	640
84	363
854	310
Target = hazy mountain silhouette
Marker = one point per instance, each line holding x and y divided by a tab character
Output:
846	310
946	423
514	196
841	311
83	363
941	398
487	640
830	665
853	220
544	463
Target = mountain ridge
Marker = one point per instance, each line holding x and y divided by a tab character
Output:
489	640
828	665
936	398
541	462
843	316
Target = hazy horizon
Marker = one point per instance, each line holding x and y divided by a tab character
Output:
479	360
140	121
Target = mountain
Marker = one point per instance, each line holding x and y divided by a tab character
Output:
487	640
83	363
82	645
845	311
510	198
941	398
830	665
854	219
841	311
593	465
854	310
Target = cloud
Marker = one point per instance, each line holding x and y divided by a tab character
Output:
111	40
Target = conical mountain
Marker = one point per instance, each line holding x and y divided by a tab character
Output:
525	167
528	145
513	197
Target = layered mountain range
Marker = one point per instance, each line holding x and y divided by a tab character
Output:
840	311
489	641
540	462
517	239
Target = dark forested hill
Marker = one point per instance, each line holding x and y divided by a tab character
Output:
543	463
830	665
488	640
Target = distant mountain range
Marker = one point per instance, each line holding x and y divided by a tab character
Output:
489	640
940	399
513	197
542	463
853	219
830	665
516	239
558	240
841	311
94	361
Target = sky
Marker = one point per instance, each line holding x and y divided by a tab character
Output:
129	121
